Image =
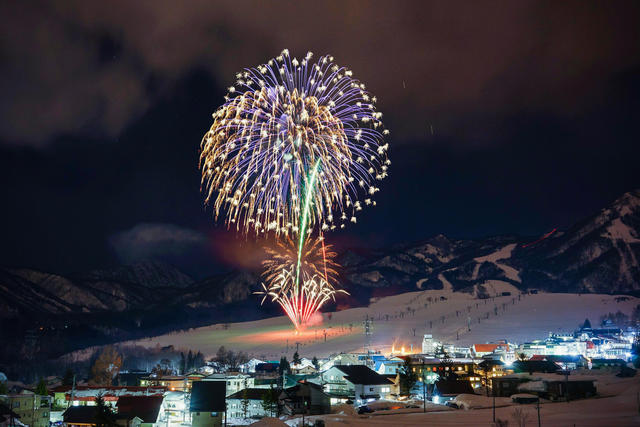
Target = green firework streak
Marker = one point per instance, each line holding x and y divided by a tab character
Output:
305	218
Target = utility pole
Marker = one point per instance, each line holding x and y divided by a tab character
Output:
493	392
73	391
424	392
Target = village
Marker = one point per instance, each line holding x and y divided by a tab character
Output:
234	389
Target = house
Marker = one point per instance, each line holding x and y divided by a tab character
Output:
506	386
174	406
446	390
254	407
267	369
250	366
290	380
573	389
305	397
356	383
432	368
208	403
475	378
607	363
193	376
306	370
64	396
139	411
80	416
171	382
564	361
388	366
235	381
490	368
32	409
480	350
305	367
395	383
131	378
548	386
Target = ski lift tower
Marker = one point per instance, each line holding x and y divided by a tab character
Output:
368	331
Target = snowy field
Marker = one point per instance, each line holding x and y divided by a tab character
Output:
402	320
615	405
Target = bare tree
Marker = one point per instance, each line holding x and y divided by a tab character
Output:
520	416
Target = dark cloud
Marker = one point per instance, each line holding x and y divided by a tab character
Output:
149	241
506	117
94	67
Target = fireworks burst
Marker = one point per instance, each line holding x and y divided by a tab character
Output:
317	260
297	147
299	301
278	122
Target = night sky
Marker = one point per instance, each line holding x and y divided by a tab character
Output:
506	118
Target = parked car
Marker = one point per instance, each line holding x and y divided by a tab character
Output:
364	410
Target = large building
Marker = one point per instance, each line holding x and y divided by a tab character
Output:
34	410
429	345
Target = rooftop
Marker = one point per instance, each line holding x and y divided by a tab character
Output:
146	408
360	374
208	396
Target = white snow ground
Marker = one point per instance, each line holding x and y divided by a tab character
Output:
409	315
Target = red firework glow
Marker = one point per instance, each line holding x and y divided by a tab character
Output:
301	302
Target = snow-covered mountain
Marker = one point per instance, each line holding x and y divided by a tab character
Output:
600	254
25	291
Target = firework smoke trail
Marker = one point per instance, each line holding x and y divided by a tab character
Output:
296	148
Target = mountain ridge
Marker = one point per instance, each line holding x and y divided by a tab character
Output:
599	254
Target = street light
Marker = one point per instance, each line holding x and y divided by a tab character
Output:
424	393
